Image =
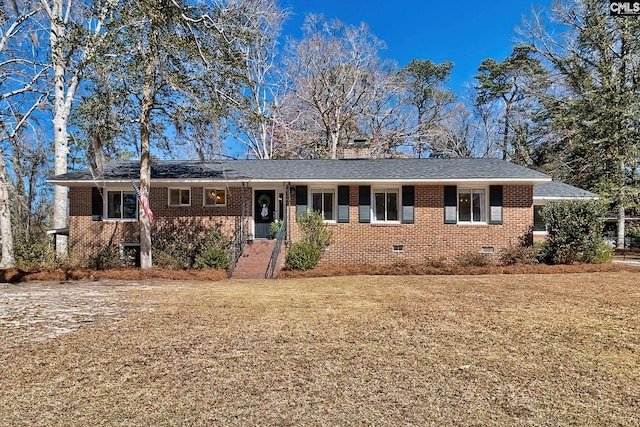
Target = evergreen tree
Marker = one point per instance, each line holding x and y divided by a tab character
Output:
594	111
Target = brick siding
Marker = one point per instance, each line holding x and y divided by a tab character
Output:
86	236
353	242
428	236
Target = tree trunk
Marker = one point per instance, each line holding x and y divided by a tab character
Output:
335	136
505	132
621	220
6	232
60	119
151	59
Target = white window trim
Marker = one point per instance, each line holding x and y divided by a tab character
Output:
181	189
105	205
216	205
486	205
398	191
333	190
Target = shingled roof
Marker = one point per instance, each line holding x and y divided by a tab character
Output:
418	170
559	190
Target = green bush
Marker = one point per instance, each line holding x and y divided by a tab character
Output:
212	251
314	230
33	252
574	231
172	250
598	254
302	256
632	235
212	258
178	250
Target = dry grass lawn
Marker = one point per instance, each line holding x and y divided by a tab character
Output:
361	350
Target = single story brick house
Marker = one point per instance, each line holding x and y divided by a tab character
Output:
380	210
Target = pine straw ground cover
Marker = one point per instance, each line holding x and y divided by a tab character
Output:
361	350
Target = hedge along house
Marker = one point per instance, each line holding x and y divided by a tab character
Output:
380	210
550	192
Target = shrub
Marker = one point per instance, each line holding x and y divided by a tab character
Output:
435	262
302	256
212	251
520	255
316	236
105	258
33	252
212	258
172	251
474	259
632	235
574	230
177	250
598	254
314	230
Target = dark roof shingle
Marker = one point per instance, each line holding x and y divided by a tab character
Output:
560	190
288	170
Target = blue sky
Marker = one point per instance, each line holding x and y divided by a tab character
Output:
463	31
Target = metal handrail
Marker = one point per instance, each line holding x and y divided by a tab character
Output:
242	236
241	232
275	254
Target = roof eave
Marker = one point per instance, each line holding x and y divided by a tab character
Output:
423	181
556	198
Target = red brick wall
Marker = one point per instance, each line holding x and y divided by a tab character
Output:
87	236
428	236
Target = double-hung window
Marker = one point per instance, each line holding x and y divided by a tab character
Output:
179	196
122	205
472	205
322	200
214	197
386	205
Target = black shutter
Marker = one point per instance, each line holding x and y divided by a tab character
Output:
450	204
495	204
301	200
96	204
343	203
364	210
408	197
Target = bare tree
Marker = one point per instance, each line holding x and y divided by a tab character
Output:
20	75
75	34
460	133
251	119
330	72
386	122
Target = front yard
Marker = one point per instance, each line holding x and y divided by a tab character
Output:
361	350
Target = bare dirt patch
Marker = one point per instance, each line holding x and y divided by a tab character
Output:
513	350
44	310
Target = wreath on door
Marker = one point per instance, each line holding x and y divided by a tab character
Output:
264	200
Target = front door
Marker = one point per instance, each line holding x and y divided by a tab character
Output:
263	212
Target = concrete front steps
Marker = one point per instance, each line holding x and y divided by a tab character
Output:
254	260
